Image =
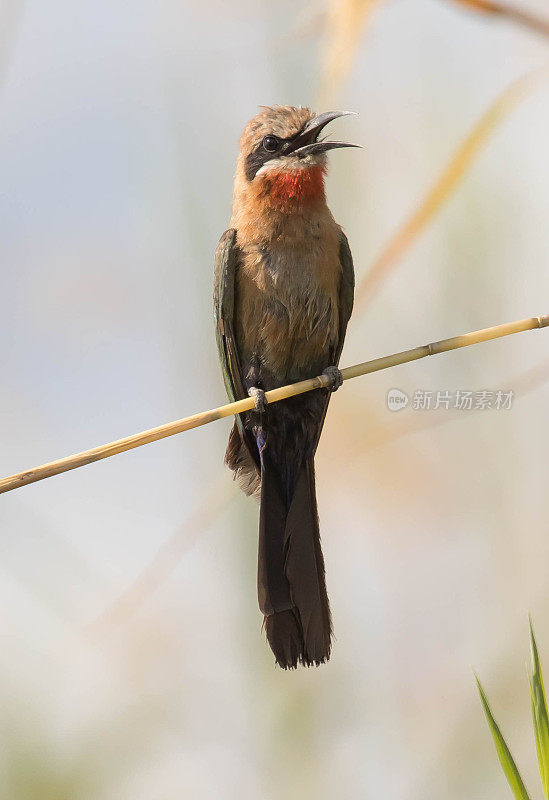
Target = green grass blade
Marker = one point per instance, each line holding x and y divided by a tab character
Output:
505	758
537	732
539	714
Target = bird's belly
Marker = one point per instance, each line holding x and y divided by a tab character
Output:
287	305
301	343
289	338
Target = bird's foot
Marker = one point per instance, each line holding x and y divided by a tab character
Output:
259	399
335	377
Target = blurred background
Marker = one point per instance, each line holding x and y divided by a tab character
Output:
132	663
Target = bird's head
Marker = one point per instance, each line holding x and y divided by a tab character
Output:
282	161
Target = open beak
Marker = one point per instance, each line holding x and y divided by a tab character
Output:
306	144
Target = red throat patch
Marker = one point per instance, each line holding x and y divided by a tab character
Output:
299	187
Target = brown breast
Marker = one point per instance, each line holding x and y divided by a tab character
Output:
287	290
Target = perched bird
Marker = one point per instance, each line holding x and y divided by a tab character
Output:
283	295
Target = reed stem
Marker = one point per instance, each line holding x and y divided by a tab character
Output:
273	396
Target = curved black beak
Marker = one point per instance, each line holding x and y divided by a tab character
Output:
305	143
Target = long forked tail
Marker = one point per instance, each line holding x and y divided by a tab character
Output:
291	582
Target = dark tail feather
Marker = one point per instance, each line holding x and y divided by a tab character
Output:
291	583
285	637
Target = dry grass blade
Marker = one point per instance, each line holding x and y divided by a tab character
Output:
504	754
539	714
344	25
447	182
509	12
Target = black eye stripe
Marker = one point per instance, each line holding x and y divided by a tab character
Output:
260	156
255	160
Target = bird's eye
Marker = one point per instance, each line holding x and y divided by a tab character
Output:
271	143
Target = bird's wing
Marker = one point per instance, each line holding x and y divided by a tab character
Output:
226	262
346	291
346	297
226	259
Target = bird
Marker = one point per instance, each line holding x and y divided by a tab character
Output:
283	295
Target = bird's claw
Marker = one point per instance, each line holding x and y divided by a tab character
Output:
259	399
335	377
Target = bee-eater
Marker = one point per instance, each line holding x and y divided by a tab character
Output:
283	295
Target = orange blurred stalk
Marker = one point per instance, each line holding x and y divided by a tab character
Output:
509	12
446	182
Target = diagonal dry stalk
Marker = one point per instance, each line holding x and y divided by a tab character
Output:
507	11
447	181
273	396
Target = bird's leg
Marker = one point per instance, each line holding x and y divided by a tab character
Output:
259	399
335	377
